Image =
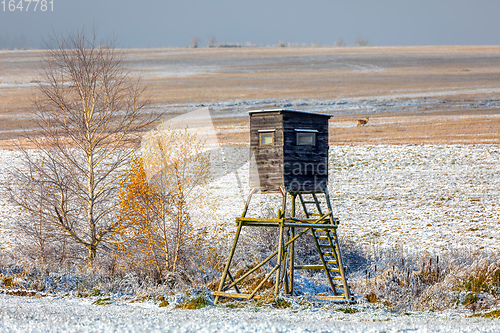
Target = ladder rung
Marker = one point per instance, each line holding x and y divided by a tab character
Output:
325	245
328	253
342	286
323	237
342	294
333	298
308	267
321	230
335	270
309	202
331	262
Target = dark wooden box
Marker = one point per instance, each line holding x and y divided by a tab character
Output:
288	149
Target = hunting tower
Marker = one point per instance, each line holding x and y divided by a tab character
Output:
289	155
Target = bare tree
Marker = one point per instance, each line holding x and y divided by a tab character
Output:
212	42
89	112
339	42
195	41
361	41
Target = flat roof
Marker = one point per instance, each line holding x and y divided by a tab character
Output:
291	111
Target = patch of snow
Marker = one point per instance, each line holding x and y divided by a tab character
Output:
70	314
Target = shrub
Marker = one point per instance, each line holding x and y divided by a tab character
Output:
420	281
156	228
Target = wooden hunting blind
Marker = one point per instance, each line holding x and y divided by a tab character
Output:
290	150
289	155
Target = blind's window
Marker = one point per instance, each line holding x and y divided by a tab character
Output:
266	139
306	139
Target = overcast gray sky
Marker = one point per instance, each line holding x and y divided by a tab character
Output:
167	23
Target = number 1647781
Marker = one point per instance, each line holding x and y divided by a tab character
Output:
27	5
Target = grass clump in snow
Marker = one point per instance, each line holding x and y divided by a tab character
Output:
102	301
95	292
141	299
196	298
470	298
234	305
372	297
197	302
281	303
483	276
490	314
7	282
347	310
163	301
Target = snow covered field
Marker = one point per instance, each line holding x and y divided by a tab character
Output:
425	197
57	314
429	197
410	197
420	197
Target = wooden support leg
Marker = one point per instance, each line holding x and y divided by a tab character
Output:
264	281
228	264
247	203
280	259
292	246
284	272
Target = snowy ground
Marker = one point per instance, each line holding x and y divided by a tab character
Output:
56	314
430	197
425	197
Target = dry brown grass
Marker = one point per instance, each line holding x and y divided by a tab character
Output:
420	129
204	76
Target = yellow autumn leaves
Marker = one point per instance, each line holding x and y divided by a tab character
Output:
155	196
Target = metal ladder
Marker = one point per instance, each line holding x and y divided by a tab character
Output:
327	245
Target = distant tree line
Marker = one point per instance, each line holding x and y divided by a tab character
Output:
212	42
